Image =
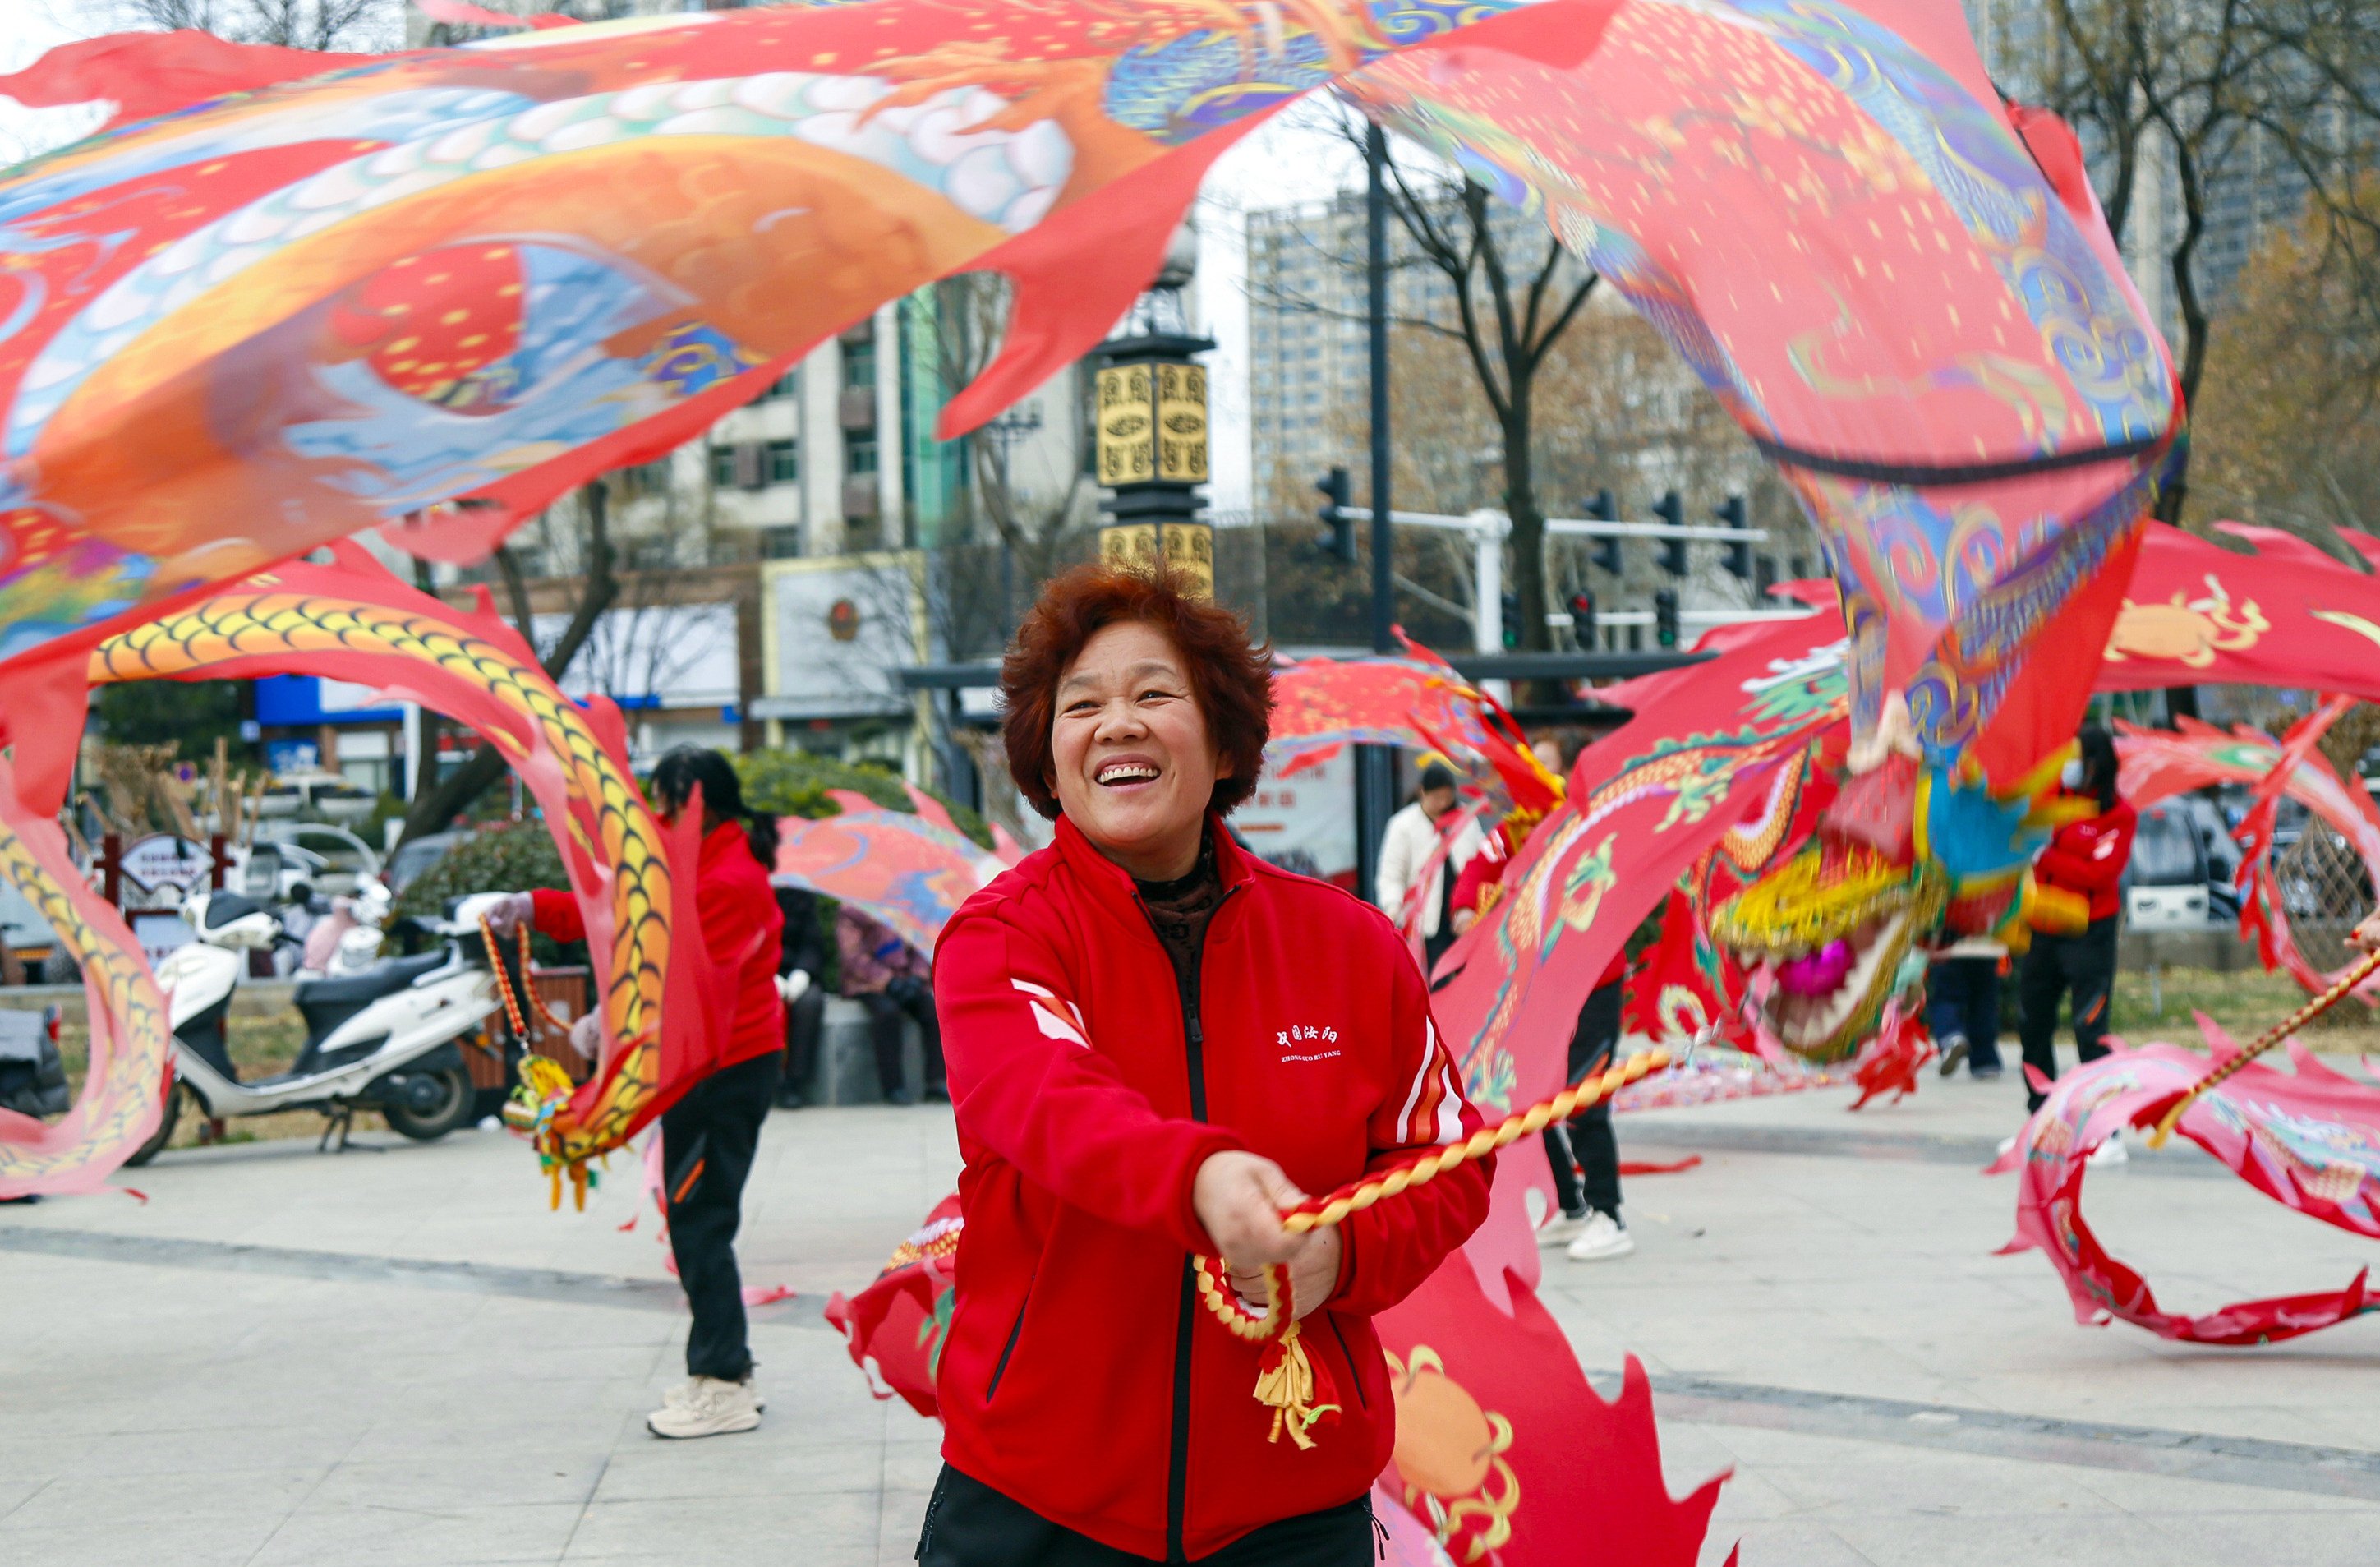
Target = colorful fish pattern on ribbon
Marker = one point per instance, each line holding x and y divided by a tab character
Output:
903	870
1975	452
235	332
488	274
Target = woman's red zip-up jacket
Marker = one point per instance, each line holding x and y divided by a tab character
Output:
2088	857
1080	1375
741	925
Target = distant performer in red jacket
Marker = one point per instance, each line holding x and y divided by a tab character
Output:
710	1135
2086	858
1156	1043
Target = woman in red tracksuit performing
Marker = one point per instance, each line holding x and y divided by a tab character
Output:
709	1135
2087	858
1156	1043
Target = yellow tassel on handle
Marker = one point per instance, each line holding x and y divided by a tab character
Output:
1285	1386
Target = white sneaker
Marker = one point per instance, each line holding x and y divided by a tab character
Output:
1601	1237
710	1408
1562	1229
686	1390
2111	1151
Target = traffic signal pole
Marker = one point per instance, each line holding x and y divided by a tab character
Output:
1376	266
1375	765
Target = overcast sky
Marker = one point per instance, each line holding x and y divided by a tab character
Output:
1295	159
27	27
1292	159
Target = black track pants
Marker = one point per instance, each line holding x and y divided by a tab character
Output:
2083	965
707	1143
805	1022
885	1009
1587	1138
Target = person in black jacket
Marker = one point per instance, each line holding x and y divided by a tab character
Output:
799	970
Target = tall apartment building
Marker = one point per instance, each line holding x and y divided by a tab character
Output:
2255	190
1650	430
1308	346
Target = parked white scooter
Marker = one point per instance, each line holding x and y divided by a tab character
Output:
381	1039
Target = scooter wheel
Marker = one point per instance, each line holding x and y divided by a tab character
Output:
450	1111
166	1120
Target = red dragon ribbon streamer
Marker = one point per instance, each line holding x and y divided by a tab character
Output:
2310	1140
353	621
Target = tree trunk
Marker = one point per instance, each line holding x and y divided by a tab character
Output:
438	803
1528	528
2173	494
2181	701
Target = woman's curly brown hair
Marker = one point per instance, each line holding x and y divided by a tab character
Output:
1231	676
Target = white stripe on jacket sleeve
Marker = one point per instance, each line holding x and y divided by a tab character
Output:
1420	1082
1450	1110
1057	1017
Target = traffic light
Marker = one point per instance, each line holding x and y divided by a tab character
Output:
1582	619
1672	510
1665	617
1340	539
1738	552
1603	508
1511	602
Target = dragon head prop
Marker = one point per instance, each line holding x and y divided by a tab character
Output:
1908	857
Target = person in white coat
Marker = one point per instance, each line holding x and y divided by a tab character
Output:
1406	850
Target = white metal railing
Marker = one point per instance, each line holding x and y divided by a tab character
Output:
1488	528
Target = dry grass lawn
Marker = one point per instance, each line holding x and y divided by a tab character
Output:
2158	1006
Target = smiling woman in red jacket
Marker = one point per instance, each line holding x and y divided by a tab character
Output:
1155	1041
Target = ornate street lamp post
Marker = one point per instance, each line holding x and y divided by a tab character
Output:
1149	404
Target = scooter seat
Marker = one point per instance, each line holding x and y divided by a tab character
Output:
383	978
327	1003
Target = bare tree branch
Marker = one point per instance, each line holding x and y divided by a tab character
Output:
320	25
438	802
1505	326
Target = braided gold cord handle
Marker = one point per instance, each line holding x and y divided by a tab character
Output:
1356	1195
2264	1041
1215	1289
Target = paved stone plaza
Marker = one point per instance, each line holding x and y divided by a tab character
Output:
402	1357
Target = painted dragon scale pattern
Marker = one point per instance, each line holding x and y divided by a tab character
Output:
130	1036
626	838
483	675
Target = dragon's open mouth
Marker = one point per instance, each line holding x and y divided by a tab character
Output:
1824	940
1819	1004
